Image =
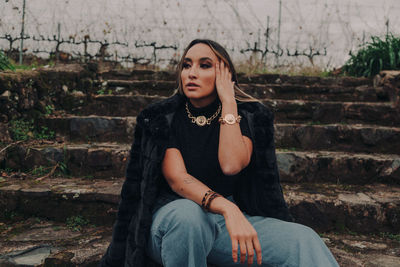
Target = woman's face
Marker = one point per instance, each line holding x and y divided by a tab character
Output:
198	75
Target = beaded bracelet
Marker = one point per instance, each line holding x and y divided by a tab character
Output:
203	202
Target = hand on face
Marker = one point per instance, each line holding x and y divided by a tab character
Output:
223	82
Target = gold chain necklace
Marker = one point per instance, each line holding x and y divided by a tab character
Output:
202	120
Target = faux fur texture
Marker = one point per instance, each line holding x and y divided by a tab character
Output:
259	193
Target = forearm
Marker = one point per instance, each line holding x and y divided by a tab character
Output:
233	154
191	188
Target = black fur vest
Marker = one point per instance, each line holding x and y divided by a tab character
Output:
258	193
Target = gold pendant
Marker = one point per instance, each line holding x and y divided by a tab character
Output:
201	120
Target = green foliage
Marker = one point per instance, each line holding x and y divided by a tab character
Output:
33	65
101	91
5	63
44	133
40	171
11	215
391	236
25	129
75	223
21	129
63	167
49	110
379	54
6	170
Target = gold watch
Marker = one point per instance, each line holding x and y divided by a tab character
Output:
230	119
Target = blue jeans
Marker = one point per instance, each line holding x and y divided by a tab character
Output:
183	234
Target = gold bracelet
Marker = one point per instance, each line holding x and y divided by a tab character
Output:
230	119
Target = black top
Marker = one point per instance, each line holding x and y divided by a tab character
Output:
199	147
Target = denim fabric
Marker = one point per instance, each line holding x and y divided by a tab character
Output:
182	234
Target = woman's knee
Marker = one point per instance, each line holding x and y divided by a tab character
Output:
181	214
186	211
303	230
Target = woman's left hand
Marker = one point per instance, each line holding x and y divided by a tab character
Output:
223	82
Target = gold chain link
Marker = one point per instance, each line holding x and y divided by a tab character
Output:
208	120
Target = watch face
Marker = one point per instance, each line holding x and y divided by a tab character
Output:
230	119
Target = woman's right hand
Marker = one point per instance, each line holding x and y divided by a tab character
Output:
242	234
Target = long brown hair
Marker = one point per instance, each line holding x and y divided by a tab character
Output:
223	55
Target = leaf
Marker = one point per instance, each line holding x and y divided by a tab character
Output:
392	58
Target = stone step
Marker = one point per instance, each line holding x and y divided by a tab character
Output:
333	137
87	160
305	80
363	93
272	91
142	87
109	160
338	167
286	111
42	242
253	78
39	240
325	207
92	128
107	105
136	75
316	112
354	138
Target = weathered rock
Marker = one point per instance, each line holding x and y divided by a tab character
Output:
365	245
93	128
338	167
328	207
318	92
331	137
4	134
374	208
338	137
286	111
85	247
305	80
30	257
389	81
62	198
296	111
109	105
109	160
327	154
382	260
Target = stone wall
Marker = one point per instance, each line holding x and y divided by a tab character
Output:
25	94
30	94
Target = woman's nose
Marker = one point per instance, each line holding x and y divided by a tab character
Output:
193	72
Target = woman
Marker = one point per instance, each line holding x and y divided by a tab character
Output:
202	183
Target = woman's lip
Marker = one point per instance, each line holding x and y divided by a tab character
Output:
192	86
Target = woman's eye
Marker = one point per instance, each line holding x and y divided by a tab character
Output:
205	66
185	65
